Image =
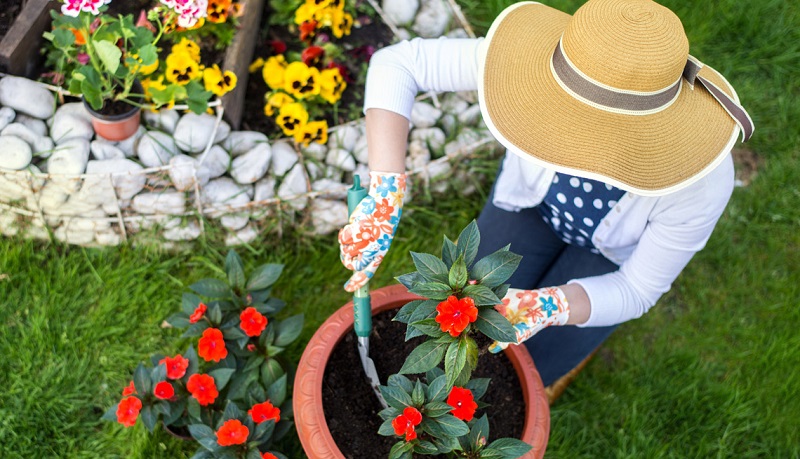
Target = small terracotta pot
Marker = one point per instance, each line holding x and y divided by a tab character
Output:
117	127
312	428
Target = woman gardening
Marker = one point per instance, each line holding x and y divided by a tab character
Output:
617	168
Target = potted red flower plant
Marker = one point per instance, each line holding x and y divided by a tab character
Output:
229	390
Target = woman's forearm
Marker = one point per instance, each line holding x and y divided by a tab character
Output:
387	138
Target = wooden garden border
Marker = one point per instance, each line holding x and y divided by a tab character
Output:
19	48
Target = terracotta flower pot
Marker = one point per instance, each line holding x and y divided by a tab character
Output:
312	427
117	126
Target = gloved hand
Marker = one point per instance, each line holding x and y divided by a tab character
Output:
531	311
366	239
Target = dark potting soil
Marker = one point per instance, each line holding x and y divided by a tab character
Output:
372	32
9	12
351	407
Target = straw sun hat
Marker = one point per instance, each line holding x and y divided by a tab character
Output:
610	93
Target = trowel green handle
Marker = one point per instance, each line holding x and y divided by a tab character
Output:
361	304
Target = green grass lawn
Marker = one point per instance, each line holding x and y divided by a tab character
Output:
712	371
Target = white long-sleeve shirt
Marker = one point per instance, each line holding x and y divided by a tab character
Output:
650	238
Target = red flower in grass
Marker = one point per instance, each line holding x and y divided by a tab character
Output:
252	322
164	390
211	346
176	366
463	403
453	315
232	432
129	390
128	411
404	424
312	56
266	411
198	313
268	455
203	388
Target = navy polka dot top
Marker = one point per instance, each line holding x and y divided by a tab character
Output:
574	206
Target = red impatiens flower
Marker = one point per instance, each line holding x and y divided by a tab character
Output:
463	403
312	56
252	322
211	346
268	455
128	411
164	390
176	366
203	388
129	390
266	411
404	424
198	313
454	315
232	432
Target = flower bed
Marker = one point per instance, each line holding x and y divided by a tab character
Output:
183	173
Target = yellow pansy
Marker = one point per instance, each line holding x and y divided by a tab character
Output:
218	82
341	24
148	85
292	118
306	13
181	68
217	11
186	46
257	64
301	81
315	131
332	85
273	71
275	101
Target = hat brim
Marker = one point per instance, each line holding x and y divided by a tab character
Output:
531	115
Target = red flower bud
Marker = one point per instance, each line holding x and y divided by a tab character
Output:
129	390
198	313
251	347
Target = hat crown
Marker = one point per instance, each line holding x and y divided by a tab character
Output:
634	45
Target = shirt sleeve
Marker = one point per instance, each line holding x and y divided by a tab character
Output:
398	72
671	237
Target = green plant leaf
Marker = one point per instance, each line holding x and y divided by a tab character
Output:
432	290
190	302
232	411
446	426
149	417
276	393
482	295
222	376
109	55
492	324
468	242
492	270
454	360
264	276
191	356
141	380
396	397
424	357
212	288
193	408
433	373
233	334
458	274
401	450
288	330
404	314
429	327
449	251
158	373
110	414
386	428
410	279
479	432
418	394
501	290
386	413
437	409
205	436
176	409
401	382
215	314
179	320
489	453
195	329
270	372
510	448
148	54
430	267
197	97
253	363
234	268
438	389
425	447
239	385
478	387
253	454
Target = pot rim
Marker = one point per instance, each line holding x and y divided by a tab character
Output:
120	117
312	427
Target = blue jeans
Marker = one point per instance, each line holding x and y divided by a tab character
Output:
546	261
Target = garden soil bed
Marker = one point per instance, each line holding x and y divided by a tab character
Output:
351	407
371	33
9	12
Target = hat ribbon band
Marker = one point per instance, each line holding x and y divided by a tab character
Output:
627	102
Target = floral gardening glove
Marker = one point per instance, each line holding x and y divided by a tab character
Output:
530	311
366	239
